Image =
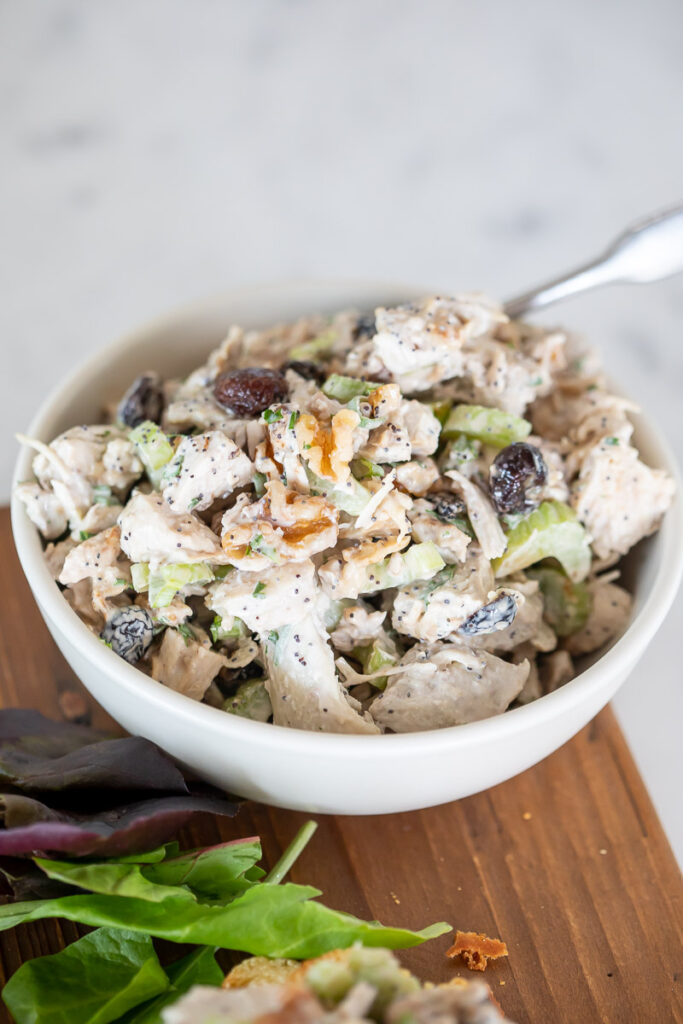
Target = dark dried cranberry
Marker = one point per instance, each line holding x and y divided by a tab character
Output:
449	507
129	633
241	675
364	327
144	400
248	392
515	477
306	369
490	617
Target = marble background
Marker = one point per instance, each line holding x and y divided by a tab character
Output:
152	151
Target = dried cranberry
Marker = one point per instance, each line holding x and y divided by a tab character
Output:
364	327
129	632
248	392
449	507
490	617
306	369
144	400
516	476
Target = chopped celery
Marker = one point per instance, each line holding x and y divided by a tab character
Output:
250	700
219	631
376	656
492	426
316	347
154	449
365	421
139	572
167	580
346	388
440	410
331	610
550	531
365	469
332	979
102	495
419	562
566	605
350	497
259	481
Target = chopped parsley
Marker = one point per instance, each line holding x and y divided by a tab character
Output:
258	546
173	469
259	589
120	582
193	504
611	440
272	415
84	535
186	633
292	420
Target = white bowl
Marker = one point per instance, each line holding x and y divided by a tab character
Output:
288	767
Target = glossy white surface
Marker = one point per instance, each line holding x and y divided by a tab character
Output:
156	152
288	767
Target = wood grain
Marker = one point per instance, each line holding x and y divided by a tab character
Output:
567	863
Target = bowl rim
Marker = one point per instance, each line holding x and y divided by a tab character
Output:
619	658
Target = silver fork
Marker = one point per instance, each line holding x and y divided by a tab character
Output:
649	251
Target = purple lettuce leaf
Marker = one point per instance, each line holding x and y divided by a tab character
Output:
22	879
51	738
69	789
40	756
36	828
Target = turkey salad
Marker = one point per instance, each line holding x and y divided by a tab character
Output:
393	521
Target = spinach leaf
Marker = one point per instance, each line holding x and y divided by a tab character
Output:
75	987
199	968
112	878
267	920
214	873
217	873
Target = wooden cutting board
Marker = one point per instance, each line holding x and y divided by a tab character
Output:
567	863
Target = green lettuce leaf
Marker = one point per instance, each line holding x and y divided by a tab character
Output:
199	968
266	920
73	986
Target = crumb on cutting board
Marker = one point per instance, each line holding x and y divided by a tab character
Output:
476	949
